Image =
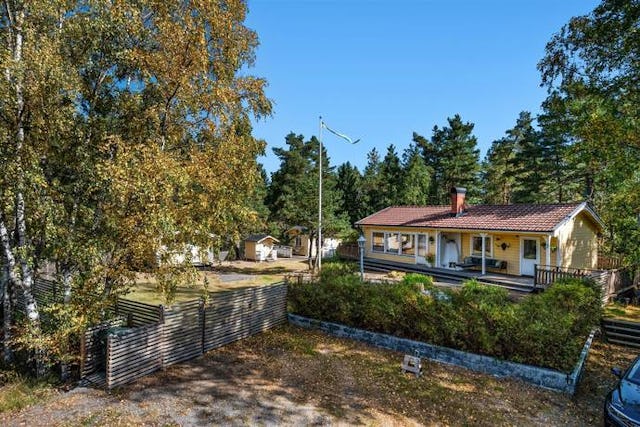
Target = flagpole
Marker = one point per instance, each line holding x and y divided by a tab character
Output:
319	248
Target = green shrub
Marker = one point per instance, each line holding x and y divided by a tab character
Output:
335	269
546	329
418	279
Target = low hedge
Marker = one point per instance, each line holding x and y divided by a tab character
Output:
546	329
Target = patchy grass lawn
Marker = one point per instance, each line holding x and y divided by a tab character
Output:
17	392
622	312
225	276
290	376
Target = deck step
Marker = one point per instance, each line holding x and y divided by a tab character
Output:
621	332
623	343
618	335
621	329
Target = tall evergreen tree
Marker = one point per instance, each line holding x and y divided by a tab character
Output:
432	161
498	180
454	155
416	178
292	195
352	198
591	68
526	165
371	183
560	169
389	190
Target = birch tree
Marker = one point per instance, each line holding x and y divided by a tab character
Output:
124	128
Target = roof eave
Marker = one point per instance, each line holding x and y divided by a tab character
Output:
584	206
505	230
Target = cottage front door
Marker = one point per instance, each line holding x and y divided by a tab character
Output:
529	256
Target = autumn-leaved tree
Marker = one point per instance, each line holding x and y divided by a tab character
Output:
124	135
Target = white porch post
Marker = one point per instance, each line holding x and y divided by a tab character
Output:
483	237
437	260
548	252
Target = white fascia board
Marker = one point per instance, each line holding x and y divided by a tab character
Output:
584	206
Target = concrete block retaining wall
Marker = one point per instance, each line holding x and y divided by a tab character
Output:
542	377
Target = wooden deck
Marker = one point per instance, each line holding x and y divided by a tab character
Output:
516	283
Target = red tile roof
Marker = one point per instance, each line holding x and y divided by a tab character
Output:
521	217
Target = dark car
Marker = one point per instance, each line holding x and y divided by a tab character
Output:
622	405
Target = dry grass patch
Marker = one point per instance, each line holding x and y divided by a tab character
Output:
17	392
622	312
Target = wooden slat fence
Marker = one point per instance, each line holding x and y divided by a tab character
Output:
606	262
188	329
348	251
615	282
133	355
238	314
44	291
182	332
138	313
93	347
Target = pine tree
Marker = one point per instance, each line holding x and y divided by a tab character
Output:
526	166
389	190
458	158
371	183
292	196
416	178
498	180
349	185
432	161
561	181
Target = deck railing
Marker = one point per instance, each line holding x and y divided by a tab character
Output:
543	276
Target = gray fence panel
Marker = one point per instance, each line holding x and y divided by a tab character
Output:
134	355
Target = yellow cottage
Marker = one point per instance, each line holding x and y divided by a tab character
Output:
508	239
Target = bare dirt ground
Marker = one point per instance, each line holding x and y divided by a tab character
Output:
289	376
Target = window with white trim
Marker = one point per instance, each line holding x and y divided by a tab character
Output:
476	246
408	244
377	242
392	241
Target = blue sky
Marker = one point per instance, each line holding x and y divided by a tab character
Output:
380	70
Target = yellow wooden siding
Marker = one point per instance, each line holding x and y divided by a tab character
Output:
579	242
511	253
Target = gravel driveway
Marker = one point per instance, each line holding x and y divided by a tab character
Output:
290	376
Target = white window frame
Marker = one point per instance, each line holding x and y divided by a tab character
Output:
412	237
398	235
490	243
384	242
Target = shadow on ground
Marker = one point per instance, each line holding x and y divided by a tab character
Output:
290	376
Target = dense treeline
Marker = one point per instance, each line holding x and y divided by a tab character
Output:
583	146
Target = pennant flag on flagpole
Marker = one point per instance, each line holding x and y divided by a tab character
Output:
343	136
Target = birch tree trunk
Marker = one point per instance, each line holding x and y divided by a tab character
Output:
7	313
16	249
25	282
